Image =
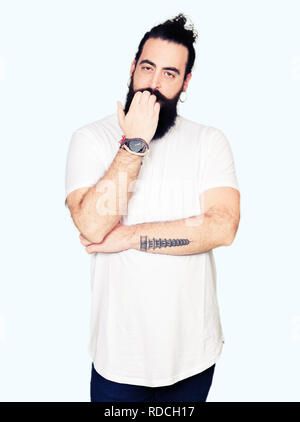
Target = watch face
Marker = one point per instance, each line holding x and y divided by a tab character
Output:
135	145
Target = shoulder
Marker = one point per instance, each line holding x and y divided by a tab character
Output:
98	126
102	133
205	133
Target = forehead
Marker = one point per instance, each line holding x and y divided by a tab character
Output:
165	53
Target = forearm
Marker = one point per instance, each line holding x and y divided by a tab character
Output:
187	236
105	203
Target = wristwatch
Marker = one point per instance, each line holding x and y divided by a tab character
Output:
136	146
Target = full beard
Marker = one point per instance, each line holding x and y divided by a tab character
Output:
167	113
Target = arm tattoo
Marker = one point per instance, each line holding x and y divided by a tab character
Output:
146	243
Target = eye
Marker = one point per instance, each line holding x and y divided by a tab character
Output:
170	75
146	67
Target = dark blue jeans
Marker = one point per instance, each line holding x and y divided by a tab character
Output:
193	389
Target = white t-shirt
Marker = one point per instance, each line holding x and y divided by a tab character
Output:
154	318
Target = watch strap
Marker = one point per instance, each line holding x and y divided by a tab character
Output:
141	154
124	144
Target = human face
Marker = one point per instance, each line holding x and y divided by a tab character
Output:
161	67
160	70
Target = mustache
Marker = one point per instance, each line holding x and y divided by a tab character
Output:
158	95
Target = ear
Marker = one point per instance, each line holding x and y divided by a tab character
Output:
187	80
132	67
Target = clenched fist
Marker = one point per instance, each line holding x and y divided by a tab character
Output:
142	117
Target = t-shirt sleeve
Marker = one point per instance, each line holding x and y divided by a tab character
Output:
219	167
84	165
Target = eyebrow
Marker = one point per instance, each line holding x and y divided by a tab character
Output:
164	68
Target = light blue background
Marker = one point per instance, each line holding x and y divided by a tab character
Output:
64	64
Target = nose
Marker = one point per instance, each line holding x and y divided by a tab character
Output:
155	83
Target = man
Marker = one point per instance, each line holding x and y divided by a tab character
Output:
152	194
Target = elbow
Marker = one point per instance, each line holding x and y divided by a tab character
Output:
231	233
228	241
93	237
94	232
97	235
92	228
91	231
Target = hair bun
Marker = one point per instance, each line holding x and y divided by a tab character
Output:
180	21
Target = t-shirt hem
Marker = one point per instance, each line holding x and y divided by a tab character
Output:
160	382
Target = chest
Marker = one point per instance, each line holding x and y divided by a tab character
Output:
168	184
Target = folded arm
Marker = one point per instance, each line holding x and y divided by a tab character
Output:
187	236
217	226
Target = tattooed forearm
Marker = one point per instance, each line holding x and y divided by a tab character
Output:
154	243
